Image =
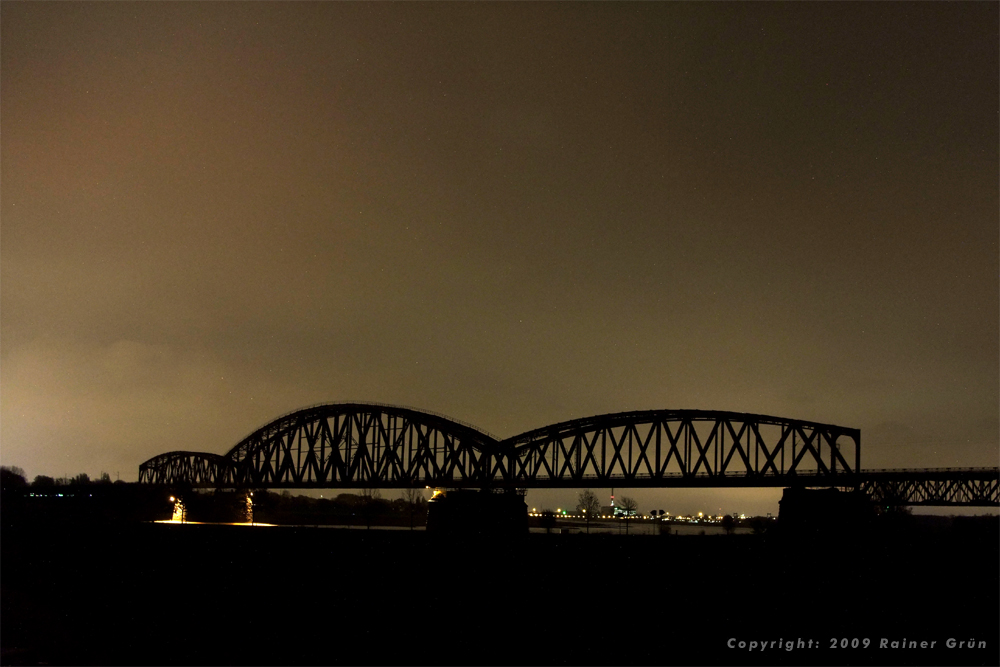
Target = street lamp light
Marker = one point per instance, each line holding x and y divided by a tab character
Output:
248	509
179	512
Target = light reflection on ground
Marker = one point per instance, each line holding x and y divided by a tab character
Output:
596	528
212	523
289	525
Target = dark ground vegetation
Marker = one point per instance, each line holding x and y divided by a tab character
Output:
79	590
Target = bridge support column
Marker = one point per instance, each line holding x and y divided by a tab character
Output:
466	512
823	511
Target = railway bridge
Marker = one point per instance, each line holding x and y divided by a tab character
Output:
371	445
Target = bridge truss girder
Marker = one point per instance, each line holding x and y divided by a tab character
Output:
358	445
363	445
943	487
196	469
348	446
680	448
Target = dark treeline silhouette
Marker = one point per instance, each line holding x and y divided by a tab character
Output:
13	477
366	508
80	498
81	502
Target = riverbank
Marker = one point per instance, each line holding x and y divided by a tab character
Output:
203	594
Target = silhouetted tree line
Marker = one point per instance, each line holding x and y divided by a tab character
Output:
77	500
366	508
13	477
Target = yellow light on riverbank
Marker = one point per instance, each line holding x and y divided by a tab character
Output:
212	523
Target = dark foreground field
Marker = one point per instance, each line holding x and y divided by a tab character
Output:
167	594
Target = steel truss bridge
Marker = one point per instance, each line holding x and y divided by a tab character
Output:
369	445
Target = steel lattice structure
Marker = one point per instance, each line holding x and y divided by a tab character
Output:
346	445
354	445
952	486
365	445
681	448
193	468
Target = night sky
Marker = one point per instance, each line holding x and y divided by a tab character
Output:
512	214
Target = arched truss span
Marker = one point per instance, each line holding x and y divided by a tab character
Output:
354	445
682	447
194	468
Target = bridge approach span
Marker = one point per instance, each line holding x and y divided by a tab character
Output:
196	469
942	487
